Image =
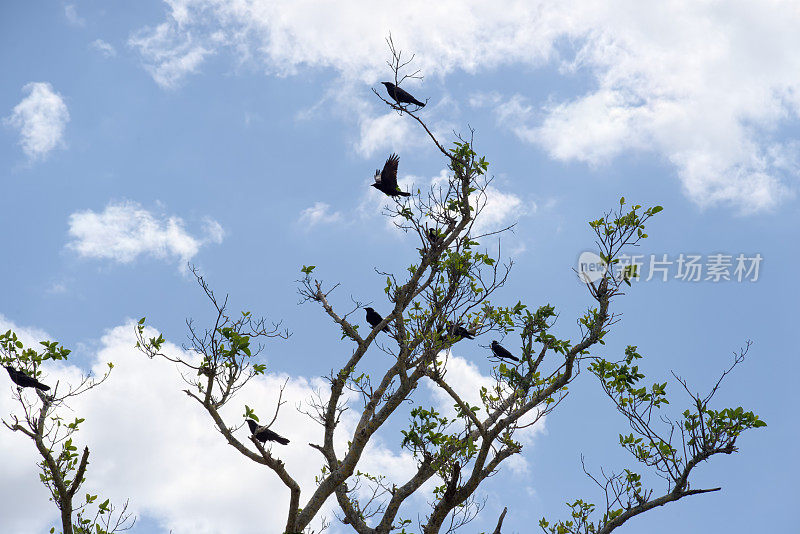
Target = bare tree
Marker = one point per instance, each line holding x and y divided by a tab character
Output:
63	470
450	283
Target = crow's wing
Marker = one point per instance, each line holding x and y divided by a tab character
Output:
404	95
23	380
389	173
269	435
460	331
501	352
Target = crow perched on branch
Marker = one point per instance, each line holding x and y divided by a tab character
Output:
386	179
433	235
264	434
23	380
400	96
456	330
500	352
374	319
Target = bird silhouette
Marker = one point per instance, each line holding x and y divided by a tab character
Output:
400	96
264	434
23	380
456	330
374	319
386	179
500	352
433	235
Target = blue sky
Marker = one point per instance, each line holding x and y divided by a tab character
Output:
242	137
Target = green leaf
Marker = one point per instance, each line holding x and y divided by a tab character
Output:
249	413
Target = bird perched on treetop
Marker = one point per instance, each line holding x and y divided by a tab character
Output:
374	319
386	179
264	434
23	380
499	351
433	235
400	96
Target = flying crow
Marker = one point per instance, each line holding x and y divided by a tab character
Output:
264	434
456	330
400	96
500	352
386	179
374	319
23	380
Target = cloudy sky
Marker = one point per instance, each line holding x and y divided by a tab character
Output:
241	136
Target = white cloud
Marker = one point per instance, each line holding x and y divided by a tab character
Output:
391	132
107	49
705	85
30	336
72	16
512	113
124	231
169	56
350	36
319	213
57	288
383	131
500	210
214	233
40	118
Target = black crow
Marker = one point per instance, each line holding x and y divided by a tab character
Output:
264	434
23	380
433	235
456	330
400	96
374	319
386	179
500	352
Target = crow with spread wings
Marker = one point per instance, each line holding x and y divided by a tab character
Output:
386	180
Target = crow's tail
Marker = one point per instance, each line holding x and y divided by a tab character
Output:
404	194
420	104
282	440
